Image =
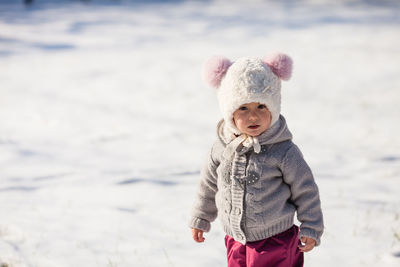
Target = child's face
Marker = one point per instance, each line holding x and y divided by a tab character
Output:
252	119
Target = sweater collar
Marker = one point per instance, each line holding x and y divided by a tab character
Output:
277	133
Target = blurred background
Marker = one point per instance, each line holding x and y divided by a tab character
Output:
105	122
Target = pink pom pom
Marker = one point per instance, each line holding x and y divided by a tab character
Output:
215	69
280	64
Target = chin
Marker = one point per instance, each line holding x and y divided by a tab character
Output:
254	134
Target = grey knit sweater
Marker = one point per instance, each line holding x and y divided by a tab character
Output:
256	195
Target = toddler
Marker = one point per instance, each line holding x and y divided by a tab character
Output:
255	178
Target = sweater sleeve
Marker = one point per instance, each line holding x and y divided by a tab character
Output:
305	196
204	210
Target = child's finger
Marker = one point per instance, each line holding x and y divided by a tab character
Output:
198	235
195	235
309	244
306	248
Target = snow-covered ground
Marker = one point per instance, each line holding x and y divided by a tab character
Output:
105	123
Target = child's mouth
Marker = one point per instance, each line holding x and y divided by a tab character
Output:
254	126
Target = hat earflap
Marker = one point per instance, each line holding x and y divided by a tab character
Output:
215	69
280	64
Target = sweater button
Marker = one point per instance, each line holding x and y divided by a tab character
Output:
238	211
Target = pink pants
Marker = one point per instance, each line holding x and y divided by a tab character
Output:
280	250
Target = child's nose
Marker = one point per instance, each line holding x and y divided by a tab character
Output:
253	116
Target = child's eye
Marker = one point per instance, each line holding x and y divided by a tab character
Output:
262	106
242	108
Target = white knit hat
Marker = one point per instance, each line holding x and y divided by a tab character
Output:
248	80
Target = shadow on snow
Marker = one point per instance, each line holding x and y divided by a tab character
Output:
150	181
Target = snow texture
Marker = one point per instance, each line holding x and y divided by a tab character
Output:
105	123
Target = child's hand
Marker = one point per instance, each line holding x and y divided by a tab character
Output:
198	235
309	244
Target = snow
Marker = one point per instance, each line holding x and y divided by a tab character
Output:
105	123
